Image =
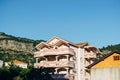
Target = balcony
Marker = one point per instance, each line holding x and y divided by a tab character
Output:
55	64
90	55
54	52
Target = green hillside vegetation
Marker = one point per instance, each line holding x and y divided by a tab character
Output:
108	49
112	48
27	58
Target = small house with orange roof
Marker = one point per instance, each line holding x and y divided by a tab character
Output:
107	68
17	63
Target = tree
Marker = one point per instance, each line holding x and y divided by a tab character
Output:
40	74
5	74
17	78
14	70
24	74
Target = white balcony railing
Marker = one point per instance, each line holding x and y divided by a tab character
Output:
90	55
54	52
55	64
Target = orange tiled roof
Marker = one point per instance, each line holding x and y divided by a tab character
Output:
19	62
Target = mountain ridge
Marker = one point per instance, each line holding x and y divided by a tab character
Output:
12	44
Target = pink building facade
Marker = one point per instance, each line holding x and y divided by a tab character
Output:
66	58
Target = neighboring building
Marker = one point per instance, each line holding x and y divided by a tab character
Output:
1	63
107	68
17	63
66	58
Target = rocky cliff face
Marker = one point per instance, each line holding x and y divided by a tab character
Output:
11	44
16	46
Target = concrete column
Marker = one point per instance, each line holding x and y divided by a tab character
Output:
67	70
57	58
67	57
46	59
56	70
36	60
80	64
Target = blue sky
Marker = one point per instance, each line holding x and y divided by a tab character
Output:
94	21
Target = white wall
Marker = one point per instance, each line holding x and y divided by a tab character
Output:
110	73
1	63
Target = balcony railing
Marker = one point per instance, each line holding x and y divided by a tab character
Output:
54	52
55	64
90	55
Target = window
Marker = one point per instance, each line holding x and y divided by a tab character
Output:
116	58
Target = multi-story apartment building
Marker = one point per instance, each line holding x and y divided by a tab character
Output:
66	58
